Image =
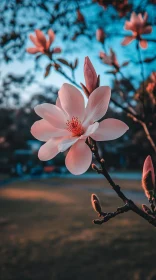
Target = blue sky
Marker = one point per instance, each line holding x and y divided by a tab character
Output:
90	49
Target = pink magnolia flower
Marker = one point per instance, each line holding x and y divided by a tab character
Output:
90	75
148	177
100	35
109	59
68	123
42	45
138	26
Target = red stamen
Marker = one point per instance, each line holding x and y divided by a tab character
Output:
75	126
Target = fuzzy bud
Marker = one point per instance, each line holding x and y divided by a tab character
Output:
146	209
148	177
96	203
90	75
100	35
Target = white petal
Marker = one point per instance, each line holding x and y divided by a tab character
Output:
51	113
97	104
49	150
72	101
91	129
43	131
78	158
67	143
109	129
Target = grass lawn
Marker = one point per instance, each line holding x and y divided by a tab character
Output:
46	232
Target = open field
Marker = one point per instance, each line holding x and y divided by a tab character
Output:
46	233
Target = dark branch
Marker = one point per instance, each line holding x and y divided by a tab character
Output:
130	204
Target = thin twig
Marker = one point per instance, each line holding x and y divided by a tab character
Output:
92	144
108	216
143	124
142	75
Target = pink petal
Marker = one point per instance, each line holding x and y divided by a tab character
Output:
34	40
57	50
148	166
140	17
32	50
41	38
145	17
49	150
133	17
58	103
78	158
109	129
128	25
67	143
97	105
127	40
51	35
90	130
72	101
51	113
102	54
143	44
43	131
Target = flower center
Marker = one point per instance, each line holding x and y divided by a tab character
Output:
75	126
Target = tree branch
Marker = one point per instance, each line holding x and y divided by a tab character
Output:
143	124
130	204
108	216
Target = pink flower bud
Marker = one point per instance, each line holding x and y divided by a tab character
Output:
100	35
95	203
90	75
57	50
148	177
146	209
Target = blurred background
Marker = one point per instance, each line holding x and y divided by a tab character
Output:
45	212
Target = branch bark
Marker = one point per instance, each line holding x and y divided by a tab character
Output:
129	203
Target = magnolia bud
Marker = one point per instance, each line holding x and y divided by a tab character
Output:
148	177
146	209
90	75
94	167
100	35
96	203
